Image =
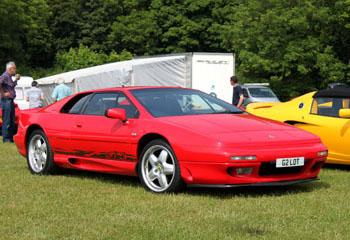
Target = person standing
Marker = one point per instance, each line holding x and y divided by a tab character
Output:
61	91
237	98
35	96
8	94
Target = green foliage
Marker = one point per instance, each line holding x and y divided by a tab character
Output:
12	25
115	57
296	46
98	17
24	34
285	42
65	23
169	27
38	37
83	57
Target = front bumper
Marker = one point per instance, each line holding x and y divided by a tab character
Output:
262	184
211	166
223	174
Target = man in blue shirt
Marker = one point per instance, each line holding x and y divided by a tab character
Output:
61	91
237	98
8	94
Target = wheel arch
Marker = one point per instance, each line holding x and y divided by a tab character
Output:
144	140
31	129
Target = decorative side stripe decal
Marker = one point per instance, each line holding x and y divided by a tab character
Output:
115	155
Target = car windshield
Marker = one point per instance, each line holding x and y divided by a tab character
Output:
261	93
163	102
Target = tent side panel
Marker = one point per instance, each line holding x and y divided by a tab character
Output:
163	73
115	78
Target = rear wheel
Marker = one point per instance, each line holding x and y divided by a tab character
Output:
39	154
159	170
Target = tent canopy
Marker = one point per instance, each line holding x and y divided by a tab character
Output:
163	70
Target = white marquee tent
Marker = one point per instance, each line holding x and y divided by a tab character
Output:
170	71
162	70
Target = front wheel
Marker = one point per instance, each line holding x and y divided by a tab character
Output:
39	154
159	170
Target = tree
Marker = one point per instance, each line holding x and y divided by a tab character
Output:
84	57
24	33
12	25
284	42
339	30
37	40
169	26
66	23
98	17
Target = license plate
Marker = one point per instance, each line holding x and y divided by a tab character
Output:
289	162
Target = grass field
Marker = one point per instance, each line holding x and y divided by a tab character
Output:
81	205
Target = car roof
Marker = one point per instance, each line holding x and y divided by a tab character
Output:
335	92
130	88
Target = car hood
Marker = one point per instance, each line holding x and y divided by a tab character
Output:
241	128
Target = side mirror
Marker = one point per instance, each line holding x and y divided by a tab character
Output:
344	113
117	113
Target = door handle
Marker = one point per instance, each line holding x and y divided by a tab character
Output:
79	125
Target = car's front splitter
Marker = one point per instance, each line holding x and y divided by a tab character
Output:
261	184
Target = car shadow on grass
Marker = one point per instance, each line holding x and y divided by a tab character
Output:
104	177
199	191
337	166
274	191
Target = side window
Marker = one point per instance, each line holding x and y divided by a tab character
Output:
125	103
245	93
79	105
328	106
100	103
74	106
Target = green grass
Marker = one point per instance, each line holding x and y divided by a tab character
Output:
82	205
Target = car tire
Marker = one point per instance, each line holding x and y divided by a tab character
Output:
39	154
158	169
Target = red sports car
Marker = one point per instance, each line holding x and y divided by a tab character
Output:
169	138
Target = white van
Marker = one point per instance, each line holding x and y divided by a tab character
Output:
22	86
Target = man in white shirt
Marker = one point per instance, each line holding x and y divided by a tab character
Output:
35	96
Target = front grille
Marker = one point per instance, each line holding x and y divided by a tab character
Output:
269	168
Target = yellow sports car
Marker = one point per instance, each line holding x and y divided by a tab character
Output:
325	113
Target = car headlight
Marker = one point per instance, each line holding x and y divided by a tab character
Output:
322	153
237	158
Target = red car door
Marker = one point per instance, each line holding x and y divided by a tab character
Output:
57	129
94	135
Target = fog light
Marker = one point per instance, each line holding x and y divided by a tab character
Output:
235	158
322	153
244	171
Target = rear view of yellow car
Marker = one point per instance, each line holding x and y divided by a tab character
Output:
325	113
